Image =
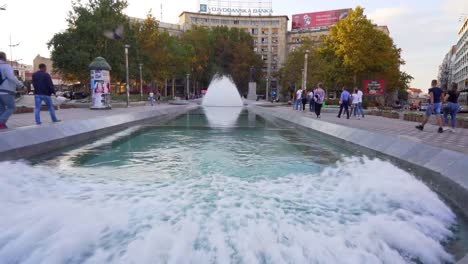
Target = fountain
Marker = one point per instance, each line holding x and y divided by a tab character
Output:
222	92
222	104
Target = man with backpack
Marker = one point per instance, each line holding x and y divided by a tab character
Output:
8	86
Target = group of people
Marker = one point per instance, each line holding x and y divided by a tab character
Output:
10	85
437	98
355	100
152	99
315	98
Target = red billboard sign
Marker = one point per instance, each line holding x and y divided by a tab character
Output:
374	87
318	19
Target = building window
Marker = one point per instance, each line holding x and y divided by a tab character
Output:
254	31
265	31
236	22
264	40
274	31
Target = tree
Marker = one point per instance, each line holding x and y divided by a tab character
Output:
355	50
83	40
291	72
220	50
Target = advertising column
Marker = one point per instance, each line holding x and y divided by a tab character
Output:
100	84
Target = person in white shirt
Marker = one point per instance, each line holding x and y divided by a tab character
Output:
355	101
298	102
359	105
151	98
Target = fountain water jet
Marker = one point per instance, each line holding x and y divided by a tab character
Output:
222	103
222	92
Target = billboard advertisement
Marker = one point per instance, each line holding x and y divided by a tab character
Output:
318	19
239	7
374	87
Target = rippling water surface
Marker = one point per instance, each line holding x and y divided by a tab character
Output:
198	190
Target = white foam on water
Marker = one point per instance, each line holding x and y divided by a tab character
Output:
222	92
359	211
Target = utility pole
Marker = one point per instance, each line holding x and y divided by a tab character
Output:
11	51
127	87
141	83
306	56
188	86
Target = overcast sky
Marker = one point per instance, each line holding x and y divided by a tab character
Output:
424	29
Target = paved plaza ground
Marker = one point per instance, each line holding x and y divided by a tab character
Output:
457	141
74	114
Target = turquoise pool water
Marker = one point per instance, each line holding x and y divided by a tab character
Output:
221	187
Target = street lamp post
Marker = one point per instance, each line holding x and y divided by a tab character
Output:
127	88
141	83
188	86
11	51
267	86
306	56
302	80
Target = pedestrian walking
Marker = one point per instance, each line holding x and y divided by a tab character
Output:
435	104
452	106
310	96
151	98
158	94
304	99
9	84
298	101
344	102
319	98
43	89
360	109
354	104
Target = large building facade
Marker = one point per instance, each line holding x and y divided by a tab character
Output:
460	69
268	33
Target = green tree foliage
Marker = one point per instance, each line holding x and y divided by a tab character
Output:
200	52
356	50
291	73
221	50
83	40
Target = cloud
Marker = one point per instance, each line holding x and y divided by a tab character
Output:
383	15
455	7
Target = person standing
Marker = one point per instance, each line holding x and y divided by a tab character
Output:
8	86
344	102
298	99
43	89
319	98
310	95
360	109
304	99
151	98
435	104
452	106
354	104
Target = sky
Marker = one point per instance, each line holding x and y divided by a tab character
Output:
424	29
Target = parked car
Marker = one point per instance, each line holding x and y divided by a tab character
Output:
423	107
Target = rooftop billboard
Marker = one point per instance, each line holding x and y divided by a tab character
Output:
318	19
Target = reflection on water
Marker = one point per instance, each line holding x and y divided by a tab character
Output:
187	193
222	116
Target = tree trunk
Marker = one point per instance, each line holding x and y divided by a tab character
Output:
173	88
